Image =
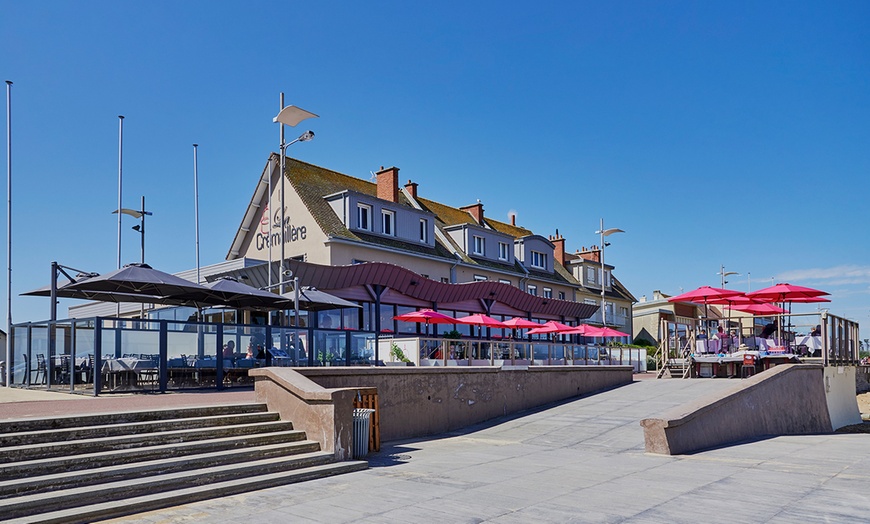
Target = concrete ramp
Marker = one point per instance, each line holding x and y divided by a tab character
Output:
785	400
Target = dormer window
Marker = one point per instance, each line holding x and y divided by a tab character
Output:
503	253
424	231
479	246
539	260
388	222
364	216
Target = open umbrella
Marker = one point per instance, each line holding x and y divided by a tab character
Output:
788	293
551	326
239	295
758	309
704	295
142	279
426	316
584	330
610	332
481	320
64	291
520	323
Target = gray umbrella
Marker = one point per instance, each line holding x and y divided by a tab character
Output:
311	299
142	279
64	291
243	296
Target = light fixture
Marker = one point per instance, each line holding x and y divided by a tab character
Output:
604	233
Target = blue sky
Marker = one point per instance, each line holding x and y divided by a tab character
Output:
714	133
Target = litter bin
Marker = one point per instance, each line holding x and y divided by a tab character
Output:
361	424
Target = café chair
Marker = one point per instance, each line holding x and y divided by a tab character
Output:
748	366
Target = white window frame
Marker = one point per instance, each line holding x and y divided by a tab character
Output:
591	275
539	260
478	245
424	230
505	281
364	210
503	251
532	290
388	222
548	293
561	295
480	278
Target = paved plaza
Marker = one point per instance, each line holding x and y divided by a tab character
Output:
580	461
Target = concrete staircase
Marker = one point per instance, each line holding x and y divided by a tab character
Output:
94	467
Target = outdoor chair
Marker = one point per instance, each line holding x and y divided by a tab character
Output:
40	369
748	366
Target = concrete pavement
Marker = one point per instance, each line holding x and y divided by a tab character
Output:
581	461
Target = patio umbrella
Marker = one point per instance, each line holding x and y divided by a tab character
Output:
312	299
521	323
551	326
610	332
64	291
788	293
426	316
758	309
704	295
142	279
239	295
481	321
584	330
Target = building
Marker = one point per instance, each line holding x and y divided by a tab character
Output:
682	318
385	246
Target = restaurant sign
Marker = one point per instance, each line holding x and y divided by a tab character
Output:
265	239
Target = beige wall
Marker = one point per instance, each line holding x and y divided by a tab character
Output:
342	254
300	224
415	402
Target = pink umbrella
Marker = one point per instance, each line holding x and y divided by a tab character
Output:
785	293
704	295
481	320
610	332
758	309
583	329
550	326
426	316
519	322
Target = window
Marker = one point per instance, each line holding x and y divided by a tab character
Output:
388	222
503	253
548	293
424	231
590	275
533	290
623	311
503	281
364	217
445	280
561	295
539	260
479	246
480	278
606	278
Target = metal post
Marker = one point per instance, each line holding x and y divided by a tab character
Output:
601	256
196	208
8	369
120	183
281	191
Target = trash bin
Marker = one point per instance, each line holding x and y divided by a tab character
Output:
361	424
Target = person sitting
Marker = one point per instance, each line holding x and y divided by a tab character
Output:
817	331
256	348
229	349
768	330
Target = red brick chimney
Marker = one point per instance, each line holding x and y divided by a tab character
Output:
411	188
388	184
592	254
559	244
513	219
476	211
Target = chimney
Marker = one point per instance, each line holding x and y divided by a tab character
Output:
513	219
411	188
592	253
559	244
476	210
388	184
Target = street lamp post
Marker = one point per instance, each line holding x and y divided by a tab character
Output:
140	227
290	116
604	233
725	274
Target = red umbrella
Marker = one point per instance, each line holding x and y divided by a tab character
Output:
426	316
785	293
704	295
519	322
758	309
585	330
610	332
550	326
480	320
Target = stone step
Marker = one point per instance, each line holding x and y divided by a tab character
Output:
59	479
22	438
126	417
165	499
76	447
34	504
47	466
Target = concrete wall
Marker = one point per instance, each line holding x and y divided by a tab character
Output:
785	400
415	402
840	395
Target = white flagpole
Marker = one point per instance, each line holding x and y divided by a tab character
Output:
8	370
196	208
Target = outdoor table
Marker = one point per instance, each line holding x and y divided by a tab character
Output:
125	372
812	343
729	365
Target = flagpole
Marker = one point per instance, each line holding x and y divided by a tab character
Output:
120	179
8	371
196	207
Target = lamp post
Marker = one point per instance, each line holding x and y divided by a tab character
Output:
7	379
725	274
289	116
604	233
140	227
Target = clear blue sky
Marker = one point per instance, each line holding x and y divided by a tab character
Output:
733	133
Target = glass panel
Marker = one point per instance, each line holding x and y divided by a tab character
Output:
387	323
362	351
330	348
350	318
406	327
